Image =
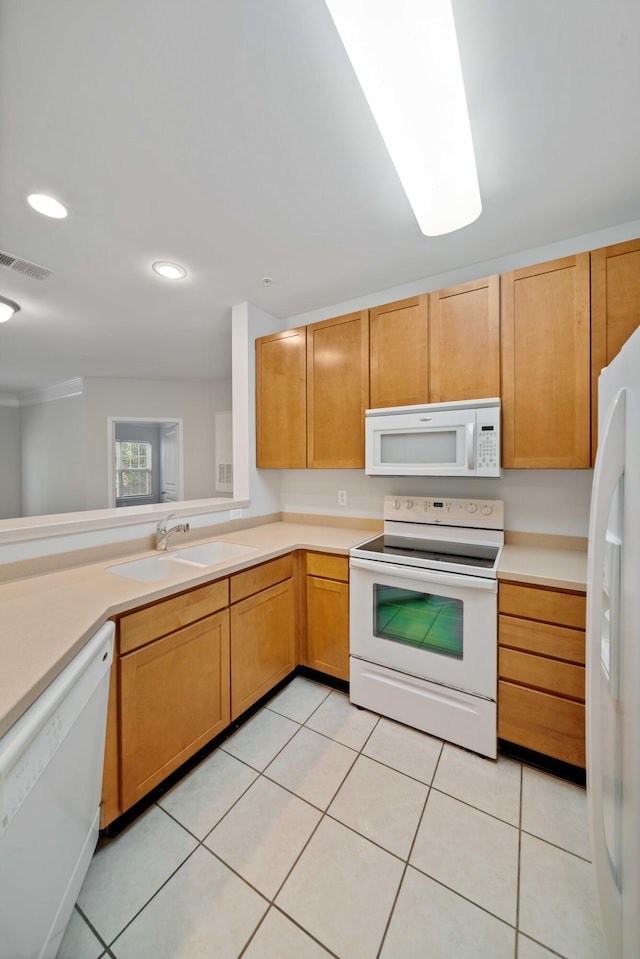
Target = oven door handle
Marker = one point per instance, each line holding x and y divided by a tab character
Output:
425	575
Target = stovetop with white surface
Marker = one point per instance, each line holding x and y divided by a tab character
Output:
462	536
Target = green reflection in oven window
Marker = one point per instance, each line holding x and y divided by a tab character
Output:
421	620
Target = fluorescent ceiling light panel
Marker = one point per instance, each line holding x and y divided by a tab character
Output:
405	55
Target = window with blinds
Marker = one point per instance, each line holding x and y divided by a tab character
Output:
133	476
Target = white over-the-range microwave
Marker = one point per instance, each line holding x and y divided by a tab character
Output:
438	439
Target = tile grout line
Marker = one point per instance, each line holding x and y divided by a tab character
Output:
406	863
152	897
101	941
518	872
326	814
323	814
262	774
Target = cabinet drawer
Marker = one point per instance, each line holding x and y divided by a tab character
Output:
542	722
546	674
561	642
551	606
328	566
164	617
260	577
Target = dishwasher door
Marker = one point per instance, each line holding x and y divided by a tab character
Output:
50	788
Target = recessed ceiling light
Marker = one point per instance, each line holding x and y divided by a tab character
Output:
170	271
47	205
7	309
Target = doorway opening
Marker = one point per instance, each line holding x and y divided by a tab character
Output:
145	461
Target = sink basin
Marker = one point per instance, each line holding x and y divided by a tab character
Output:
152	569
208	554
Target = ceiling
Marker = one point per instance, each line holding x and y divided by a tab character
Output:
232	137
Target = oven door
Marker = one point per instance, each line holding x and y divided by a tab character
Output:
436	626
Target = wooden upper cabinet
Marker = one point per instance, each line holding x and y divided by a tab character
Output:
399	350
615	309
464	341
281	400
337	391
546	366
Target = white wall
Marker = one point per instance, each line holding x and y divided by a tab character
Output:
543	501
511	261
10	471
53	463
166	400
261	487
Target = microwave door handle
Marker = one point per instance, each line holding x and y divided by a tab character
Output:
421	575
471	446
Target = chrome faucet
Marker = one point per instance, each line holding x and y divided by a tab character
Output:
163	534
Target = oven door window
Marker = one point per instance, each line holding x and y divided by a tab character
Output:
422	620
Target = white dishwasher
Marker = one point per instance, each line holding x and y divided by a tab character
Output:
50	786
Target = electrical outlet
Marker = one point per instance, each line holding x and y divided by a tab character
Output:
235	514
342	497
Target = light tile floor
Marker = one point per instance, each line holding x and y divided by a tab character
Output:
321	830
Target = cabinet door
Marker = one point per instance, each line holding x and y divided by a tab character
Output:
464	341
174	699
399	349
328	626
615	309
546	419
281	400
263	644
337	391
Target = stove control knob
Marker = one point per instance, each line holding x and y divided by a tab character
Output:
408	504
471	507
486	510
397	504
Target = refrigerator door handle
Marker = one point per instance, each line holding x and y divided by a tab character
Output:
615	573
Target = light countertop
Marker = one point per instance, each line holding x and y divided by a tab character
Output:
558	568
46	619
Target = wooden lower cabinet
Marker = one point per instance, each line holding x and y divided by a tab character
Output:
174	698
187	666
263	644
541	655
327	614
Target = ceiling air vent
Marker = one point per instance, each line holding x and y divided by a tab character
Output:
24	266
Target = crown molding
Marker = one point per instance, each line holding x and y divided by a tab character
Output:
59	391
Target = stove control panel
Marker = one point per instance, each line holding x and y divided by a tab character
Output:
433	510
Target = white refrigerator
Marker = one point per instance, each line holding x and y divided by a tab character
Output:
613	654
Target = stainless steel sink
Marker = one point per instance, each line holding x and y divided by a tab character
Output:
153	569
